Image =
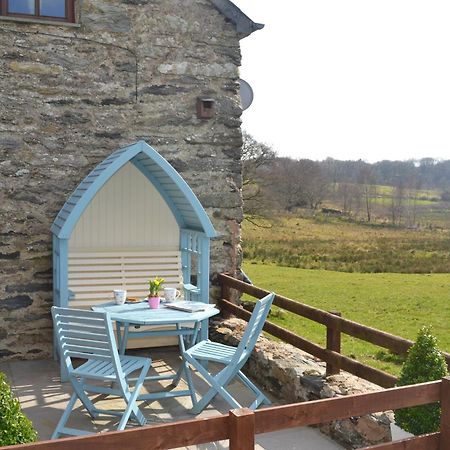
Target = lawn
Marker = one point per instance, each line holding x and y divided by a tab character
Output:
423	194
396	303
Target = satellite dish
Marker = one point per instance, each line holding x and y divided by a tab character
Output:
246	92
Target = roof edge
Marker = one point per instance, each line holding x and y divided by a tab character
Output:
244	25
208	227
69	215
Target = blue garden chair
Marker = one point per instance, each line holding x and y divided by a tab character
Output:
89	336
233	358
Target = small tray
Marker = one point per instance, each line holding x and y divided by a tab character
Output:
133	300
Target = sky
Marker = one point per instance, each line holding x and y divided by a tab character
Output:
349	79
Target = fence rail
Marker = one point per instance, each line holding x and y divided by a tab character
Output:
334	324
241	426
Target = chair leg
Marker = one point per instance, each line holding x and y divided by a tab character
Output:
218	384
63	420
78	388
213	391
63	373
123	344
119	335
183	341
260	397
130	400
190	382
177	377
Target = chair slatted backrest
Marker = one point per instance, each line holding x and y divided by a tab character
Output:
253	329
85	335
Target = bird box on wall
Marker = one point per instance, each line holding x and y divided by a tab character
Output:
206	108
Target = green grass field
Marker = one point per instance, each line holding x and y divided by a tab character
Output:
390	278
418	207
386	201
336	244
396	303
430	194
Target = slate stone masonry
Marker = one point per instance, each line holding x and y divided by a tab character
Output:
71	95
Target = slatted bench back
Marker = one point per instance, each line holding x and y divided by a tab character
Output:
94	274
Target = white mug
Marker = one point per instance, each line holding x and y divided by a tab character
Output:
119	296
171	294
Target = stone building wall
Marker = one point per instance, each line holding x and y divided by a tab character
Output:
71	95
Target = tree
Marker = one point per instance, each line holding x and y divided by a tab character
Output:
286	184
397	201
349	195
427	171
367	180
314	185
298	183
255	157
412	196
424	363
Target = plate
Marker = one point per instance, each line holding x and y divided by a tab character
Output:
132	300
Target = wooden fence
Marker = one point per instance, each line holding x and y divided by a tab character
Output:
335	325
242	425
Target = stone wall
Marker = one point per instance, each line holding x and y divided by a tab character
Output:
70	95
293	376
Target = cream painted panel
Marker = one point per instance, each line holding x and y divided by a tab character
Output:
127	213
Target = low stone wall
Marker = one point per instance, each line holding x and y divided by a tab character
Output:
294	376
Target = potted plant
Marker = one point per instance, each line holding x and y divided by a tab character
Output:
154	286
424	363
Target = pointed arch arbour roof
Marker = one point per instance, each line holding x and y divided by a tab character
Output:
183	203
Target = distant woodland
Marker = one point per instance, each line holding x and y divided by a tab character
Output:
396	192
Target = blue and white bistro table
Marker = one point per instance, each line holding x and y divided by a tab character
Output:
185	325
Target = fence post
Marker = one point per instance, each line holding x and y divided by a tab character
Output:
225	290
225	294
242	429
334	343
444	441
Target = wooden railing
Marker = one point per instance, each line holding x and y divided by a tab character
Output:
335	325
242	425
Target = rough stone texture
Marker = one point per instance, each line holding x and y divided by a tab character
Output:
292	376
70	96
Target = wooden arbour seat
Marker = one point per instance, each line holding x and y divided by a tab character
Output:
94	274
132	218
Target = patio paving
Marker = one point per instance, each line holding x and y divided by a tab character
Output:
43	398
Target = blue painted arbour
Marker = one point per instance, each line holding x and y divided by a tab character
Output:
196	229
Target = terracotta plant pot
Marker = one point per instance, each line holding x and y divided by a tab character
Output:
153	302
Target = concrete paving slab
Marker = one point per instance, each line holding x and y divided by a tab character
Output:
5	368
44	398
303	438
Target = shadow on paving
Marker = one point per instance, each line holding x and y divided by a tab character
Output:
43	399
